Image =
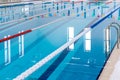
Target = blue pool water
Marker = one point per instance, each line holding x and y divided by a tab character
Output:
47	40
40	43
79	63
85	64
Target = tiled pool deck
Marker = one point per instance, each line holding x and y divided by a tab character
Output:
111	70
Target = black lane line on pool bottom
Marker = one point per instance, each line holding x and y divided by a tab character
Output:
53	66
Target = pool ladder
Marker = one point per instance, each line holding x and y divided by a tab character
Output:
107	35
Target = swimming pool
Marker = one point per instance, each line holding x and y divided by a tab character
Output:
83	63
40	43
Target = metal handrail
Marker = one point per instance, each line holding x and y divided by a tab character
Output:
107	34
118	25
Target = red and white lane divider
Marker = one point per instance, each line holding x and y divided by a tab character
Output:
108	2
20	35
15	35
30	30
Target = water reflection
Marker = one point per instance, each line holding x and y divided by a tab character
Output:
107	41
87	41
71	36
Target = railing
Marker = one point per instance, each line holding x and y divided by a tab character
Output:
107	35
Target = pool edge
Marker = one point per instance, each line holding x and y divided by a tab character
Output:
110	66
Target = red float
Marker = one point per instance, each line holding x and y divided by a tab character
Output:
15	35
